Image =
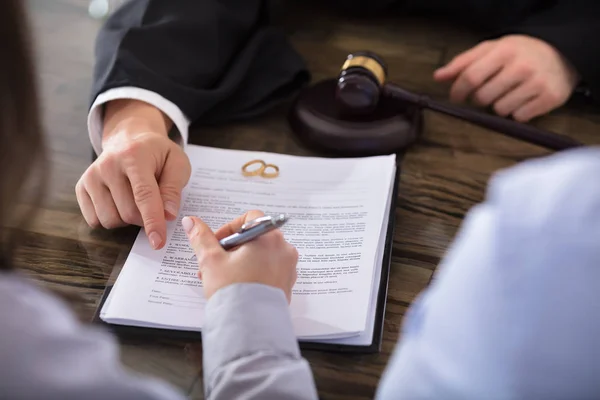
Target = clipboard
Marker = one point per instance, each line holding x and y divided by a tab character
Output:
133	332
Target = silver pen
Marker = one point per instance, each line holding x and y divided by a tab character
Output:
251	230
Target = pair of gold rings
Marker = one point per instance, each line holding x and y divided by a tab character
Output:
262	170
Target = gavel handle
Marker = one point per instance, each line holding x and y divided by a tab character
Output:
515	129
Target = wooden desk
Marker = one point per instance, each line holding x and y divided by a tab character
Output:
442	177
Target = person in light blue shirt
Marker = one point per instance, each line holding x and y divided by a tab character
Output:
515	310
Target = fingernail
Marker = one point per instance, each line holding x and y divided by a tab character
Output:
155	240
171	208
187	224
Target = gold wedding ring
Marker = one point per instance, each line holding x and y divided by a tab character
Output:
273	174
262	170
253	172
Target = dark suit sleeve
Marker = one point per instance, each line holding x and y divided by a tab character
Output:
573	28
217	60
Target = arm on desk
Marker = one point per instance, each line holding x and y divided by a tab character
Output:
250	350
513	309
195	60
47	354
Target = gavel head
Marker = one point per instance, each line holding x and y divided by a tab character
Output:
360	82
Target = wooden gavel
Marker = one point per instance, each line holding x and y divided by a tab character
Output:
361	113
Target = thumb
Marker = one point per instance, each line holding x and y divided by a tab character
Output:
173	177
201	237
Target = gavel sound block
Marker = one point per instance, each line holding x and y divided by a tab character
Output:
323	124
360	114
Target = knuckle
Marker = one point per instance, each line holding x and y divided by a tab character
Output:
94	224
92	221
504	51
538	85
109	225
87	176
131	150
553	97
471	79
482	98
106	166
142	192
150	222
112	222
130	215
523	69
79	187
169	190
521	116
500	109
509	52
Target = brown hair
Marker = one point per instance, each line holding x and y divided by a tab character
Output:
22	155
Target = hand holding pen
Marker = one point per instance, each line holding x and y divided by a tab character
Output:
253	229
265	258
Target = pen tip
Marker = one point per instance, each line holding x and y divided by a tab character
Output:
281	217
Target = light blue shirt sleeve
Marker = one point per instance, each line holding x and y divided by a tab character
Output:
47	354
249	347
514	312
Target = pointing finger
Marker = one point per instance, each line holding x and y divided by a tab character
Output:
174	176
475	76
149	202
462	61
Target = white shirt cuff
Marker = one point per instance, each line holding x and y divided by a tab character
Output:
96	114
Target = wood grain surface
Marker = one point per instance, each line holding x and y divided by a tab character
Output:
442	177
